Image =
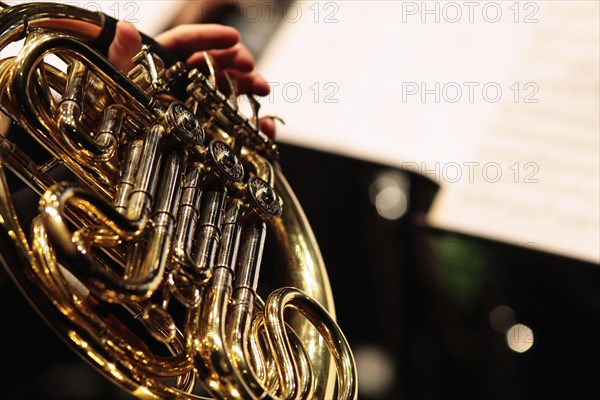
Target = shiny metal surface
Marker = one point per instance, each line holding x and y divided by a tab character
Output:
166	219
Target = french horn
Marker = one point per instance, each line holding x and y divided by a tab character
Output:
155	197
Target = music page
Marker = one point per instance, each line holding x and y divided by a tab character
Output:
497	102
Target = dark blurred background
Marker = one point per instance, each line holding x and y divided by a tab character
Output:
430	314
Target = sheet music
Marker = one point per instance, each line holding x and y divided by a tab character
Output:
528	111
368	78
548	150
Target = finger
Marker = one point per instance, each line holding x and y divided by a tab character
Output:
126	44
185	40
247	82
237	57
267	126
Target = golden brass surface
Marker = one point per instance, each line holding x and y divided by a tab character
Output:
146	261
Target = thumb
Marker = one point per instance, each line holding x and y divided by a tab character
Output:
267	126
126	44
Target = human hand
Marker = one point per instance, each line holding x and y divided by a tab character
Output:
188	42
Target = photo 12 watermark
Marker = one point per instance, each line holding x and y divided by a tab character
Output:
469	92
293	92
120	10
270	11
475	171
453	12
451	251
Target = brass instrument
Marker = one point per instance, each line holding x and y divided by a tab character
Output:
146	259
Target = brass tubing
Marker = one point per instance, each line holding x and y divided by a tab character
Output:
81	311
41	125
239	313
103	284
23	166
229	247
265	368
73	20
256	353
207	335
90	146
129	169
275	306
24	268
41	44
248	265
142	276
187	214
167	198
140	198
42	89
158	245
208	233
239	316
109	130
201	209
